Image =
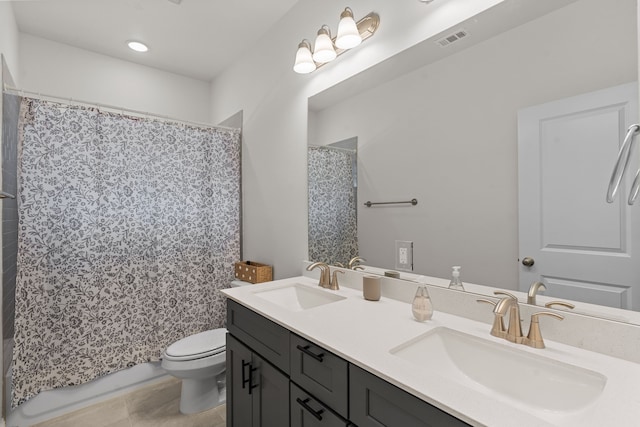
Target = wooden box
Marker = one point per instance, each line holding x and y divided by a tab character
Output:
253	272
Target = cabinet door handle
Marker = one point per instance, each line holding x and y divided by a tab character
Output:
306	350
309	409
251	384
244	376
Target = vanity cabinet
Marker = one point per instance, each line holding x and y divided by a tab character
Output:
374	402
277	378
257	370
265	337
308	411
321	373
259	392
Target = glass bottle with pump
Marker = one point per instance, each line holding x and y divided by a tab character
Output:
422	308
456	283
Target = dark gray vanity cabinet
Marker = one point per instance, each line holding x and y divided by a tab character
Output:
321	373
258	395
374	402
265	337
277	378
239	404
257	370
307	411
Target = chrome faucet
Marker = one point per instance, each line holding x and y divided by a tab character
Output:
353	263
325	273
533	291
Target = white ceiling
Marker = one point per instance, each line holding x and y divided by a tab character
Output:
196	38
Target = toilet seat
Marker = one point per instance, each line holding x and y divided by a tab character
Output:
204	344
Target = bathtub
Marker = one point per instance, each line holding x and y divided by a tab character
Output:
53	403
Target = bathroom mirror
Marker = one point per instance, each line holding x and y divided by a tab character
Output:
440	124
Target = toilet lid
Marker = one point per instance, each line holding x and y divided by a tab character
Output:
199	345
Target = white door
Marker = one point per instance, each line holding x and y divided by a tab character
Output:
583	248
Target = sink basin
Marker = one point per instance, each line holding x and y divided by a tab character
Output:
297	297
482	364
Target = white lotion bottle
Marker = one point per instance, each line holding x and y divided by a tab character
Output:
456	283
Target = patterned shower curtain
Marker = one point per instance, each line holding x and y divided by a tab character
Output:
128	227
333	231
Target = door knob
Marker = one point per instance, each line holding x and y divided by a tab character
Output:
528	261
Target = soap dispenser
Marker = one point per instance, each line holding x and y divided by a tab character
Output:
456	283
421	307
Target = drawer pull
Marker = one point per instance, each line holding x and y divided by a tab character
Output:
251	384
309	409
244	376
308	352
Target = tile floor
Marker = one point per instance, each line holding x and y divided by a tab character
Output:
156	405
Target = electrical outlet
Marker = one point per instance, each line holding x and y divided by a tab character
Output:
404	255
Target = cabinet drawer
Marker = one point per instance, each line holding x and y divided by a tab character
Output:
309	412
375	403
321	373
263	336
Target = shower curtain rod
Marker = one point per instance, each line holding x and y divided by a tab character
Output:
349	150
113	109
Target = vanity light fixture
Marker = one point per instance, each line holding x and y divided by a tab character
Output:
326	49
426	1
137	46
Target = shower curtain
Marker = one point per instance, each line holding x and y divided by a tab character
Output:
333	231
128	227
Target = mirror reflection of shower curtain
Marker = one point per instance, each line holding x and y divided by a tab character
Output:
127	229
333	229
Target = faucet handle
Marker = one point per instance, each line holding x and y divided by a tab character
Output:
534	338
353	262
550	304
497	329
334	286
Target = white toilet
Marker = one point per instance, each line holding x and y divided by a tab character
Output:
200	361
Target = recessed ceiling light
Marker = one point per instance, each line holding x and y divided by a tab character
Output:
137	46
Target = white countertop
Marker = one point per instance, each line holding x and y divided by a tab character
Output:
363	332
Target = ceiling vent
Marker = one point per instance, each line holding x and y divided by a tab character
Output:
452	38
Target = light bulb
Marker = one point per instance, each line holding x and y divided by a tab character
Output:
304	62
323	50
348	34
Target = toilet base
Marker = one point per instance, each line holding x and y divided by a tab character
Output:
199	395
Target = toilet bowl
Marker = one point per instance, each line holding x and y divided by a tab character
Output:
199	360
